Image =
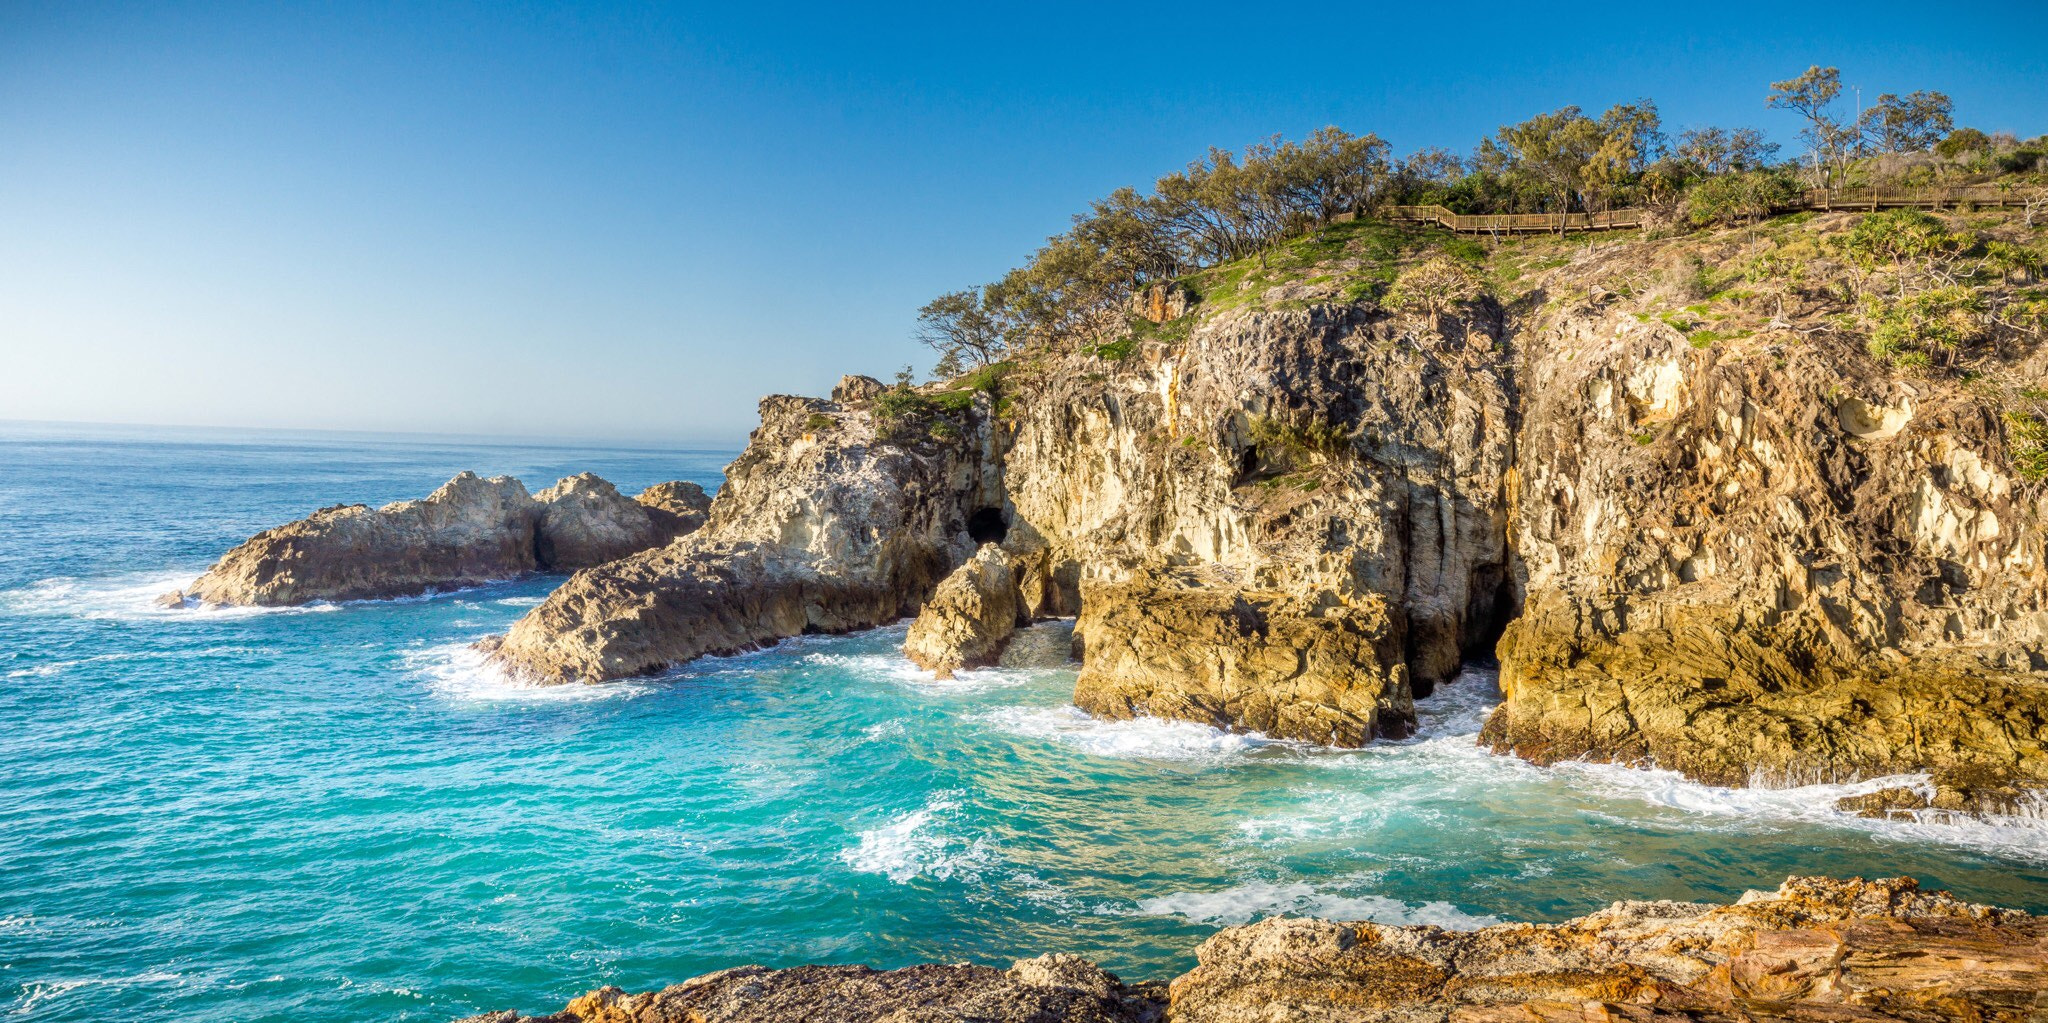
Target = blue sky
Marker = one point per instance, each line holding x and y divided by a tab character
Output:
631	221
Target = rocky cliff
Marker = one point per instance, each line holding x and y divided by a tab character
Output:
469	531
1815	949
838	516
1699	522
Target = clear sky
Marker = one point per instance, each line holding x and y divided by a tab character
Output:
630	221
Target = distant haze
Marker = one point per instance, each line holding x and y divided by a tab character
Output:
629	223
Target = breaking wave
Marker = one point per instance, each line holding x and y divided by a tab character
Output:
918	844
460	673
1259	899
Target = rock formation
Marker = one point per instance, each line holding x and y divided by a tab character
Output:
1814	950
1055	988
1754	553
585	521
1776	562
837	517
970	617
676	507
1323	670
468	532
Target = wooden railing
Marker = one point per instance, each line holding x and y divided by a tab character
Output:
1612	220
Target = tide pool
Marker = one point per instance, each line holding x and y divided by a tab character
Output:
338	813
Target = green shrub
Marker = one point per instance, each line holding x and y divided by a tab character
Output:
2029	443
1739	198
819	422
1962	140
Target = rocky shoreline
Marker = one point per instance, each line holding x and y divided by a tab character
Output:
1767	559
1815	949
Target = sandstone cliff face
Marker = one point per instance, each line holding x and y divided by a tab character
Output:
1331	448
826	523
468	532
970	617
1815	949
1770	562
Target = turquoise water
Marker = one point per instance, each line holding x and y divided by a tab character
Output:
337	814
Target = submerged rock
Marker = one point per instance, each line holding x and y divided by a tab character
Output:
1324	671
970	618
1816	949
468	532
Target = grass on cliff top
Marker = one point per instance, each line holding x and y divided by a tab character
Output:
1347	262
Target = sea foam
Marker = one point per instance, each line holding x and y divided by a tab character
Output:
1258	899
918	844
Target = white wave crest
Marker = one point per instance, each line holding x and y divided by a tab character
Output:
1139	738
1259	899
460	673
2023	835
36	994
917	844
127	598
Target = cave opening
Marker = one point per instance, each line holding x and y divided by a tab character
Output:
987	525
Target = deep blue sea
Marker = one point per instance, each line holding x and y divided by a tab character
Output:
336	813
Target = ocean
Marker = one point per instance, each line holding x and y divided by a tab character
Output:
339	813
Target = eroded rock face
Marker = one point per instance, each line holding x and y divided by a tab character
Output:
1327	449
677	507
970	617
468	532
1814	949
1054	988
1323	669
821	526
1735	571
585	521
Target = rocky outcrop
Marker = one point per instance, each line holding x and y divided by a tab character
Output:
1325	669
676	507
970	617
1331	449
836	517
1751	553
468	532
1816	949
1773	562
1054	988
585	521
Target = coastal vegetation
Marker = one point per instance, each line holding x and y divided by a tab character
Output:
1230	219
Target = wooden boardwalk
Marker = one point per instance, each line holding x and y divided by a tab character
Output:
1623	219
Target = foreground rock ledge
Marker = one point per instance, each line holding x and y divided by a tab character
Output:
1815	949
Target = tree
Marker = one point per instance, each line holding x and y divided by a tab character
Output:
1721	151
1908	124
1552	149
1811	95
962	327
1631	138
1963	140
